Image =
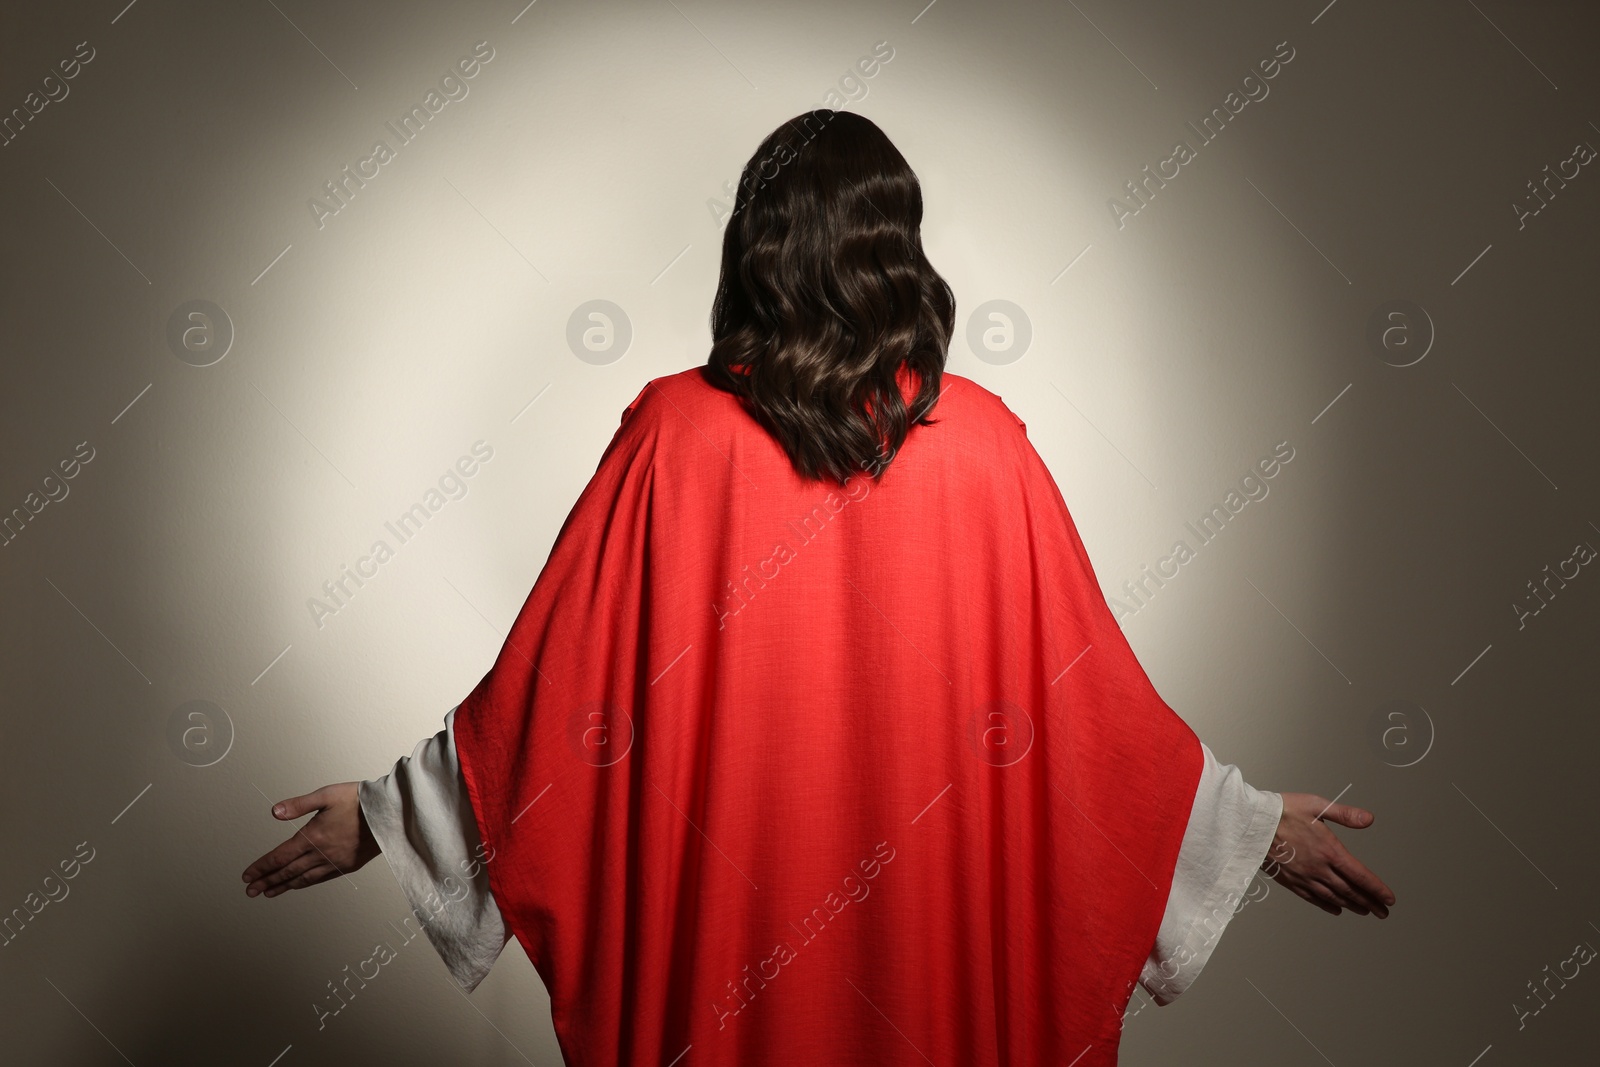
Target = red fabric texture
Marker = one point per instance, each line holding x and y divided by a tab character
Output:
778	772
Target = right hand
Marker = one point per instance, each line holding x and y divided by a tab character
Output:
335	842
1308	860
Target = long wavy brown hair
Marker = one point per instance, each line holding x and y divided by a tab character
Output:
825	295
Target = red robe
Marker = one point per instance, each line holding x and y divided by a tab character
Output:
776	772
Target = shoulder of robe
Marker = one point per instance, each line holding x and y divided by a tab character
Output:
983	406
682	398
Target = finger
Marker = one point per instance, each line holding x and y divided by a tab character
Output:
266	863
1357	874
261	865
283	874
287	852
311	877
1357	897
1361	902
299	882
1326	897
1319	899
1308	888
1343	892
326	873
1346	815
295	807
270	869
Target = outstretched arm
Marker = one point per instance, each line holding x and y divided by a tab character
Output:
1231	825
420	816
1310	861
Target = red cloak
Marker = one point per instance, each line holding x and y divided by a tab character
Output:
777	772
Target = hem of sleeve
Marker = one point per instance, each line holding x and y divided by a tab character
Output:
1220	903
466	953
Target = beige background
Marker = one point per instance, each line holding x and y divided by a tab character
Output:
427	314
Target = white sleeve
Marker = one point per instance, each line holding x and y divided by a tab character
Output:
422	818
1231	826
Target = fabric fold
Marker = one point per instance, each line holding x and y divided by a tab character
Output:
422	819
1231	826
766	761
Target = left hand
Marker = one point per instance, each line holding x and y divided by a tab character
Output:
336	841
